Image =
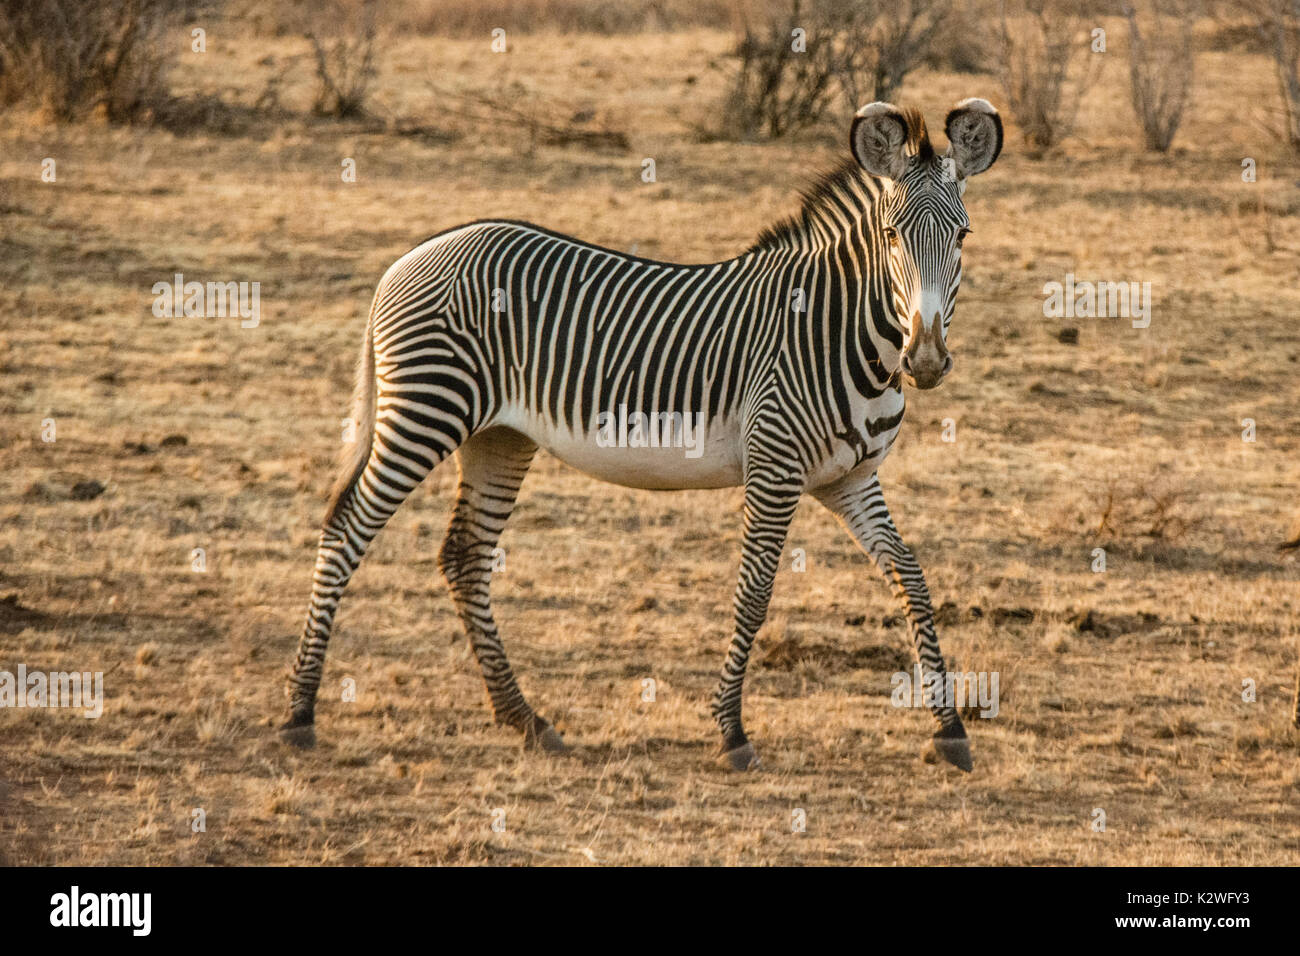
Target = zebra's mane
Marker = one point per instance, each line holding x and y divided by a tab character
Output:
829	189
847	181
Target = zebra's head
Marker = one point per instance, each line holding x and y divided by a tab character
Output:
919	221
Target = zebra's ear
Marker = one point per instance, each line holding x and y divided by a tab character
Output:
974	132
879	138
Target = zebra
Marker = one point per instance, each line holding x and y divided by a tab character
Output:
495	338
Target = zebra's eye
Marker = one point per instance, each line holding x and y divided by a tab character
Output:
961	236
891	234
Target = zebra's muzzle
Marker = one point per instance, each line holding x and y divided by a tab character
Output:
926	360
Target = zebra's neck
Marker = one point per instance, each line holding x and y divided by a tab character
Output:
833	257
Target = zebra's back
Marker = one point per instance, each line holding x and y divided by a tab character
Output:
630	369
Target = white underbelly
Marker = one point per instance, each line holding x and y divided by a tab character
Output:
705	456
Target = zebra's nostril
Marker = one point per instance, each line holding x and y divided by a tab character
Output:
907	363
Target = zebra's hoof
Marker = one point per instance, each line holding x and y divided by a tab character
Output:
302	736
546	738
744	757
955	750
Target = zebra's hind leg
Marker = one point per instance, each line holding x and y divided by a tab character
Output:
860	507
493	464
396	465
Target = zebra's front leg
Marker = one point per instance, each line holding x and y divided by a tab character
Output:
860	507
770	505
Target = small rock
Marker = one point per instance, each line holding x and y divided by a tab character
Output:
857	620
1090	622
947	613
1001	615
1068	336
174	441
86	490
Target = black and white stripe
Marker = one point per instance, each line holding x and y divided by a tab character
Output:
497	337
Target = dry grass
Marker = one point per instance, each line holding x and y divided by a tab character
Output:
1134	707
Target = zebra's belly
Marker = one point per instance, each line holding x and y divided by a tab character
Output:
656	459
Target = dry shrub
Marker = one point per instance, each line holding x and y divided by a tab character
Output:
854	50
1161	66
881	42
345	41
964	41
1156	505
1140	509
1278	24
776	90
1045	67
72	58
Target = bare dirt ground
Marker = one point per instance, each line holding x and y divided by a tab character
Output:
1129	440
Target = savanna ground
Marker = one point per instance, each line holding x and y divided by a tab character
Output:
1129	440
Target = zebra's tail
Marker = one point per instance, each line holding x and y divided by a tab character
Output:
363	420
